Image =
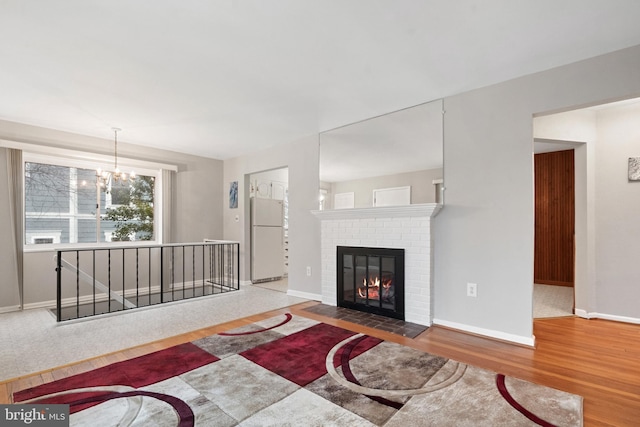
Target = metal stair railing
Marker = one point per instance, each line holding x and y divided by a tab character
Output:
100	280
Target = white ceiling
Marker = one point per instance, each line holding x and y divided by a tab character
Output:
222	78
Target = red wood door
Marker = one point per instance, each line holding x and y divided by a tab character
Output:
554	218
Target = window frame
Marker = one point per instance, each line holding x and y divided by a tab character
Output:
93	162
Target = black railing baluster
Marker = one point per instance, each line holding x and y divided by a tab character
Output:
221	267
77	284
229	268
212	268
225	270
94	282
193	271
137	277
183	272
124	293
59	287
161	275
149	279
203	271
109	281
173	273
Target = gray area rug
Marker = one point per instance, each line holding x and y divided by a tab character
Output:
294	371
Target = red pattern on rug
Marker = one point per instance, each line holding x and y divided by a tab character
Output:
345	356
287	319
183	410
504	392
300	357
137	372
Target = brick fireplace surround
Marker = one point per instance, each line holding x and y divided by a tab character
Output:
407	227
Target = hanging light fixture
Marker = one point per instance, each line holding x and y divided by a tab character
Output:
104	177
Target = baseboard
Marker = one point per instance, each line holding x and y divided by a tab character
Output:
246	283
582	313
502	336
9	309
604	316
305	295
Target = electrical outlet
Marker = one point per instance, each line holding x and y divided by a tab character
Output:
472	290
308	271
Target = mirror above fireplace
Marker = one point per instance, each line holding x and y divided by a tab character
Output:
397	155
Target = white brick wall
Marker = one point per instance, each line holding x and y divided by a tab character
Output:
408	229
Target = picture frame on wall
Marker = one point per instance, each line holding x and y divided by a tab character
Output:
634	168
233	195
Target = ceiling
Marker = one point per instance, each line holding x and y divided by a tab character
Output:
224	78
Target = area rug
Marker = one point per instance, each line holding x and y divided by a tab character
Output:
294	371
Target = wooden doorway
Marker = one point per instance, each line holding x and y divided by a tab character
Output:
554	259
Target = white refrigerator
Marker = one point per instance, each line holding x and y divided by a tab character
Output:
267	239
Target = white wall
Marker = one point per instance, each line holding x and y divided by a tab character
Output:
485	232
301	157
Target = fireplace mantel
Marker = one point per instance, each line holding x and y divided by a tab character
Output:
404	227
418	210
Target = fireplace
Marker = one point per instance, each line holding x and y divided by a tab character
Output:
407	227
371	280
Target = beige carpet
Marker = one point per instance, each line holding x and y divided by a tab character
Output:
552	301
281	285
32	341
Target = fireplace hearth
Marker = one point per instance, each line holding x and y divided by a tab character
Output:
371	280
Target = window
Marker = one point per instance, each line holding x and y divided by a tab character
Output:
65	204
43	240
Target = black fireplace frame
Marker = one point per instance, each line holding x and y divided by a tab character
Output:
399	280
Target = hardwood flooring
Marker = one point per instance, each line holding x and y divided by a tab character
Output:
597	359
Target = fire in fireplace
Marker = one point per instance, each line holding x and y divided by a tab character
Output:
371	280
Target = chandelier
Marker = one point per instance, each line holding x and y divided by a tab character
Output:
103	177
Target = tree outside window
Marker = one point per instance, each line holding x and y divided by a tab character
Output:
132	210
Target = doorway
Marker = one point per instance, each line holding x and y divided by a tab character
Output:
554	253
269	228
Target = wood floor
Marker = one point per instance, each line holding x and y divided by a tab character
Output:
597	359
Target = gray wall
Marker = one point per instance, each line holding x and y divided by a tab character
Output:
301	157
485	232
421	183
617	213
197	195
